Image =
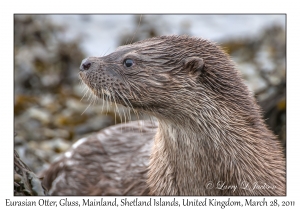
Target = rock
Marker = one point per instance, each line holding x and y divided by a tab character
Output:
56	133
57	145
94	124
25	181
41	115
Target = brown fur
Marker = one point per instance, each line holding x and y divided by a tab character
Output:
211	132
105	163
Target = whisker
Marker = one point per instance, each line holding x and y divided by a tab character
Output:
106	51
136	28
87	90
125	103
86	108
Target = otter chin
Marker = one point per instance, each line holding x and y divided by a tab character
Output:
210	137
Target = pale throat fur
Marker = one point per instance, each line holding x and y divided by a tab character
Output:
210	126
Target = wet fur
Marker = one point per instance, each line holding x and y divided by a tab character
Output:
210	127
105	163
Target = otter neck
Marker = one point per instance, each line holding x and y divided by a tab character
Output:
188	156
188	146
184	158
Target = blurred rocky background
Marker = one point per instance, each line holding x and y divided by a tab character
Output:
50	112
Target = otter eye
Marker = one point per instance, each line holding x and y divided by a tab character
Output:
128	62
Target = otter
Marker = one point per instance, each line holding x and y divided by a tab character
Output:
210	137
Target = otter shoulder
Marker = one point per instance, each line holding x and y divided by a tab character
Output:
111	162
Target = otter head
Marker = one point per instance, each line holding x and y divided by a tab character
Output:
164	75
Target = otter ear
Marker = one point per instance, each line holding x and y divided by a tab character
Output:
194	65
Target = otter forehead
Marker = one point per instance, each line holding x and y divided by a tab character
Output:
142	50
163	47
136	48
141	44
173	66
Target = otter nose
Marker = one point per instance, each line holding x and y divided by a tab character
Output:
85	65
